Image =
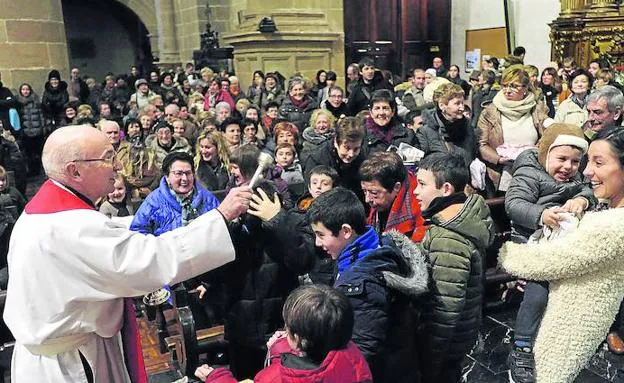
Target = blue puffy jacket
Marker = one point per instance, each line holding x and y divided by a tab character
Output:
161	212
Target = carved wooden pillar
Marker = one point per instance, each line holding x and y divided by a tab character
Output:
602	8
572	8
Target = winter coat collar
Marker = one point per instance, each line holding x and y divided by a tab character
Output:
164	192
358	249
471	221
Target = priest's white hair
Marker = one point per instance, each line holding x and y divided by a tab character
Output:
64	145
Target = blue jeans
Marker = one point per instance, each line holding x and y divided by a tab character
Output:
531	311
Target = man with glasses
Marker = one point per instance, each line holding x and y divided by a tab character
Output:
70	266
335	102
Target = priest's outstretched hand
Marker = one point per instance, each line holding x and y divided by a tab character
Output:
235	203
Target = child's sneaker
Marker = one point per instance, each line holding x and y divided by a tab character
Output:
521	365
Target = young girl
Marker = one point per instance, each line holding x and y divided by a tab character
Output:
115	204
545	184
315	347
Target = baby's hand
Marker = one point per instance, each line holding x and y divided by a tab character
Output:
576	206
203	371
551	217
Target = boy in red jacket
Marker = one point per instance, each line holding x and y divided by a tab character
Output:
315	347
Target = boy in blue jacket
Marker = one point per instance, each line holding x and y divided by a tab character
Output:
380	276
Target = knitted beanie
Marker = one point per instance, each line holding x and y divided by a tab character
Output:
54	74
560	134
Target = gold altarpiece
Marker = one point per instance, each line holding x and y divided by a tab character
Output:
589	29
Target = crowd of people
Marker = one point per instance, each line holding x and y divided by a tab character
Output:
361	257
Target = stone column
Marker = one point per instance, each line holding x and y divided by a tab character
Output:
167	38
32	41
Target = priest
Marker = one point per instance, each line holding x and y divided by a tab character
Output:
70	267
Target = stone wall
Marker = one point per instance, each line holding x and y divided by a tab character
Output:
32	41
310	37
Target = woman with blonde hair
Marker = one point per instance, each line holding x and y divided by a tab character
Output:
513	121
212	160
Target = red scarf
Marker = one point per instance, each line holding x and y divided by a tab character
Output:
405	215
54	199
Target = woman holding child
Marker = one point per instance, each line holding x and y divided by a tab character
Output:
584	270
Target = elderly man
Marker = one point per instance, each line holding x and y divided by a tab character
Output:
143	93
122	148
172	113
163	142
604	107
389	191
70	266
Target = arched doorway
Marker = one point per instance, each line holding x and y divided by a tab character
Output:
105	36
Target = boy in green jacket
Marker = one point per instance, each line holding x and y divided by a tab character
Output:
460	231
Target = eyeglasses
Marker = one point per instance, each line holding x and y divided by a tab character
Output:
179	173
514	87
111	159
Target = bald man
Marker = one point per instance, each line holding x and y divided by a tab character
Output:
70	266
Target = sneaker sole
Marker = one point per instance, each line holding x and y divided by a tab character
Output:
510	378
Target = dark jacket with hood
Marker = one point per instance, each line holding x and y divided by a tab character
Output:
439	135
7	101
212	178
348	175
361	94
533	190
54	100
381	277
455	246
31	114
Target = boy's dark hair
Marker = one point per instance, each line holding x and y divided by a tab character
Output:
385	167
350	129
325	170
338	207
447	167
366	61
331	75
230	121
176	156
409	117
383	95
246	158
322	318
519	51
272	104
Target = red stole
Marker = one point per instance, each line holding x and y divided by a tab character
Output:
52	198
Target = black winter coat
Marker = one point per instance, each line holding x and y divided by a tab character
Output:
348	175
362	92
433	136
533	190
481	99
301	255
7	101
298	116
212	179
54	100
31	115
258	285
11	159
399	134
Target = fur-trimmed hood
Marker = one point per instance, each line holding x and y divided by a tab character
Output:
414	283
